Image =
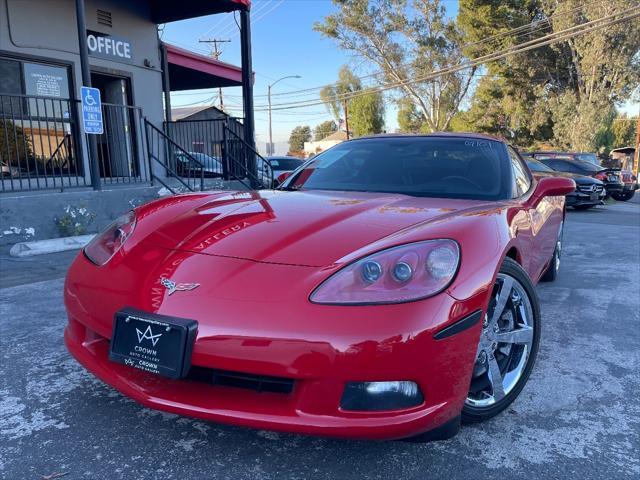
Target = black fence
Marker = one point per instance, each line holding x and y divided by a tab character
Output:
241	158
182	170
192	152
38	150
203	136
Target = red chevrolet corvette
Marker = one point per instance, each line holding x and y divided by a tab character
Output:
384	291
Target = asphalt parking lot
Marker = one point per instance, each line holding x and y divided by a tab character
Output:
578	417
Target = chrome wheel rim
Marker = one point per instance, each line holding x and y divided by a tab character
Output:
505	344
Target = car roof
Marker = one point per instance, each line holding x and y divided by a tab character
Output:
477	136
558	152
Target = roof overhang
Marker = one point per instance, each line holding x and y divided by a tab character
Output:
191	71
164	11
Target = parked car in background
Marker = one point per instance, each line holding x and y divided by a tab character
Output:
282	165
589	192
9	171
623	158
191	164
630	185
581	156
609	176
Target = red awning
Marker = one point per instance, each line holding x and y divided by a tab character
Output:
191	71
164	11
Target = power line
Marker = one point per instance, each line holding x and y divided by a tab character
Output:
529	26
520	48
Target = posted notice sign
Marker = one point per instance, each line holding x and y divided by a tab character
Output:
92	111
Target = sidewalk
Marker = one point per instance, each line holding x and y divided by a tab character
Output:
20	271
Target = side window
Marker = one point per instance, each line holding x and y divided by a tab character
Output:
521	178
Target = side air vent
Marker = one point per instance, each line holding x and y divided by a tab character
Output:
104	18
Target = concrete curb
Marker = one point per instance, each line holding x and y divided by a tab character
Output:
52	245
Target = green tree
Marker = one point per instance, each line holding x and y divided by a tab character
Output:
563	93
333	95
623	129
324	130
409	118
406	40
365	107
299	135
366	114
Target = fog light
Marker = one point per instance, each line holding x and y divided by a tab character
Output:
369	396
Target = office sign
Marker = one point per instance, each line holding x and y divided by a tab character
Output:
109	47
91	111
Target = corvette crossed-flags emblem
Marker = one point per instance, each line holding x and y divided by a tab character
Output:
177	287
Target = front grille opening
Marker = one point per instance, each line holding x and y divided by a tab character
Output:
247	381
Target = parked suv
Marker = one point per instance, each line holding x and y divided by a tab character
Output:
630	182
623	158
566	163
589	191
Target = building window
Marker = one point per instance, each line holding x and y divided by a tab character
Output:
36	119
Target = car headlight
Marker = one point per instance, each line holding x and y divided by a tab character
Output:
106	244
395	275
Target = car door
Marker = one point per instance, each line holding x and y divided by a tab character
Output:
543	218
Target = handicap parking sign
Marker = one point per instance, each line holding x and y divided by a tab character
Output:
91	111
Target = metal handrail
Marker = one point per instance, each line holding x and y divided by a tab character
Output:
166	164
253	150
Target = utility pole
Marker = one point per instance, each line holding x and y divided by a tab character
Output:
345	104
215	53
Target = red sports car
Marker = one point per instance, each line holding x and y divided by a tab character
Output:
384	291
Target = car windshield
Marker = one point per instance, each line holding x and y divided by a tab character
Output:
284	163
447	167
538	166
588	157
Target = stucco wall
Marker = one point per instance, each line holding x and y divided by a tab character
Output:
47	29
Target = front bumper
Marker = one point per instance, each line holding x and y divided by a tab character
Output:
384	343
613	187
578	199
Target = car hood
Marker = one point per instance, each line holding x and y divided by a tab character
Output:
311	228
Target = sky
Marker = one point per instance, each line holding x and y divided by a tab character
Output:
284	43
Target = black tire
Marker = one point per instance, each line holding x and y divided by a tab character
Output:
583	207
623	197
474	414
551	273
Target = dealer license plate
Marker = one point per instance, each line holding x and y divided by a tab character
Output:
153	343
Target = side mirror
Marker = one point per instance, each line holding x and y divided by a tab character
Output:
552	187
